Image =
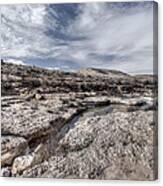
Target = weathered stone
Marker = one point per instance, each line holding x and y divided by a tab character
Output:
39	97
25	121
22	163
108	82
96	124
115	148
11	147
6	172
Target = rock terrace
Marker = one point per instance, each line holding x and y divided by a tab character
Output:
95	123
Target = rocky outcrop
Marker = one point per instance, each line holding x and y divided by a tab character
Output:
11	147
22	163
17	79
100	144
95	123
108	147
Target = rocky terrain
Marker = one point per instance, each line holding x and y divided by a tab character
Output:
95	123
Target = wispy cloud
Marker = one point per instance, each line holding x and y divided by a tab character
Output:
72	36
16	62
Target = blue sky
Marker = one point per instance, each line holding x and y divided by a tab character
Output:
73	36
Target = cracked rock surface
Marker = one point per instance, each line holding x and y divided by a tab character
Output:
92	124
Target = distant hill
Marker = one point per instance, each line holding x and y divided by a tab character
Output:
103	73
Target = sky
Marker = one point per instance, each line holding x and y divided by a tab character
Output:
74	36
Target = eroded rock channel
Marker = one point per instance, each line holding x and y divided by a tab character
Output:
96	124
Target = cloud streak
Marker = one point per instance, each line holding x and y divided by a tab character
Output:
72	36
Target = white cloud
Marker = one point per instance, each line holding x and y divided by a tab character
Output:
23	30
52	68
107	35
125	34
15	61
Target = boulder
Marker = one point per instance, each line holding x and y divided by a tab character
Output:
11	148
22	163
